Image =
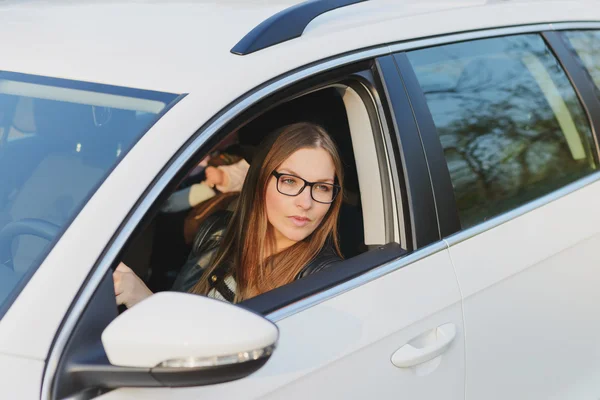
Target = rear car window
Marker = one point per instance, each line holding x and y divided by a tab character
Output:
59	139
510	123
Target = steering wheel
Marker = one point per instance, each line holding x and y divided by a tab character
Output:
26	226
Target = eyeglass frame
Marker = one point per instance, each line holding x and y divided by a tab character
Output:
336	188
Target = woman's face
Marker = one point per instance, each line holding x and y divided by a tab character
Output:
293	218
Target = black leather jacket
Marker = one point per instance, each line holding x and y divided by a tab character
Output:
206	243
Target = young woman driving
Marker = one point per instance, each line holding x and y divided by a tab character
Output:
284	226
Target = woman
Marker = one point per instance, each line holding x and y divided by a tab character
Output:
284	226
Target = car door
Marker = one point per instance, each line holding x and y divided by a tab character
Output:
368	340
521	153
395	330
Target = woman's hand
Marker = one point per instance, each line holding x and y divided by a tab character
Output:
129	288
214	176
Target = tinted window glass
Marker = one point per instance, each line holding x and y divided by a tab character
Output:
58	141
509	121
587	46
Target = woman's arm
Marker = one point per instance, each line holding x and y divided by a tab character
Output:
129	288
233	176
187	198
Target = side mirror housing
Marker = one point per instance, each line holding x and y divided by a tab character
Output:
189	340
182	330
170	339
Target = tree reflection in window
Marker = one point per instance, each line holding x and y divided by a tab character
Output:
510	123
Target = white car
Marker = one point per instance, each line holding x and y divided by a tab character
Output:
470	134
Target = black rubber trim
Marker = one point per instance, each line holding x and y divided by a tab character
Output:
323	280
424	227
445	202
286	25
96	371
582	82
84	346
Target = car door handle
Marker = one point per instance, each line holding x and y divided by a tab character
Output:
425	347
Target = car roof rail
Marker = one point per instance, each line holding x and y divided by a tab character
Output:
286	25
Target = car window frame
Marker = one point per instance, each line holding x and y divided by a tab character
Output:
358	72
450	228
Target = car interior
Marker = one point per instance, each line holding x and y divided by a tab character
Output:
342	112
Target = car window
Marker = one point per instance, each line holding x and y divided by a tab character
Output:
511	125
58	140
586	45
174	247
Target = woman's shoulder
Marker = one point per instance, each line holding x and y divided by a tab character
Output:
207	240
210	232
326	258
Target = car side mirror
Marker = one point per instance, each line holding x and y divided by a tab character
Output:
189	340
169	339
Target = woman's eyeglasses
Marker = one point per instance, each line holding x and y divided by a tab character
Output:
292	185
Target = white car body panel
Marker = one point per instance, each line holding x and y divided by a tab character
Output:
532	303
21	377
340	348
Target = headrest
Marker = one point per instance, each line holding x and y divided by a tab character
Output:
66	123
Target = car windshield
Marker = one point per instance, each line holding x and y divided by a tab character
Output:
59	139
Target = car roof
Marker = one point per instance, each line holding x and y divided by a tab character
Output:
184	46
164	45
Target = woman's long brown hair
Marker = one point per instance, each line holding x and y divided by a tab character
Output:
249	238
